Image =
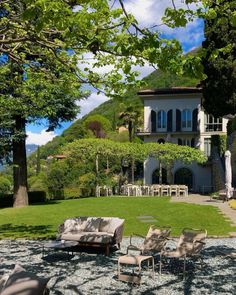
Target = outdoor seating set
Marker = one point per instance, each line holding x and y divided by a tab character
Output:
188	246
105	232
145	190
154	190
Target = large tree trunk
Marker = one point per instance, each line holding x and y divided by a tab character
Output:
20	165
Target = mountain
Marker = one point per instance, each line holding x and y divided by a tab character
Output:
30	148
110	109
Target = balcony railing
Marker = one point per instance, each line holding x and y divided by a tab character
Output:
148	131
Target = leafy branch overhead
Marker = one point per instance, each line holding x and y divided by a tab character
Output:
74	32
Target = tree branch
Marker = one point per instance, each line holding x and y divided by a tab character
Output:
133	24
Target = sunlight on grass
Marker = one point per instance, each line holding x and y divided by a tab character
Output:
42	221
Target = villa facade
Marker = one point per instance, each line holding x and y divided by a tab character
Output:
176	115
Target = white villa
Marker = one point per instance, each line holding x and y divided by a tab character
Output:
175	115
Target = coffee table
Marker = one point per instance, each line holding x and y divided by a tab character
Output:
60	245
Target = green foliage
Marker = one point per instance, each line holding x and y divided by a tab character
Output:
219	141
168	153
72	192
98	125
5	185
38	182
56	179
219	52
231	126
87	184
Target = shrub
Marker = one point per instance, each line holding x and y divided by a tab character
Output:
37	197
6	200
72	192
87	184
37	182
5	185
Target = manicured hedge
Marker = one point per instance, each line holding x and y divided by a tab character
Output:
6	200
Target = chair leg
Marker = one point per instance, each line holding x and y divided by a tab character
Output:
153	269
107	248
184	266
160	265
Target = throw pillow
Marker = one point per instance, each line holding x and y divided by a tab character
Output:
21	282
104	224
69	225
92	224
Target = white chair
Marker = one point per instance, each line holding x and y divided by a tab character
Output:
155	190
174	190
165	190
183	190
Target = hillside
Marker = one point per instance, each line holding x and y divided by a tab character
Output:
111	108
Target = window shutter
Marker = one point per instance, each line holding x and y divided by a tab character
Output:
169	120
153	121
178	120
193	142
194	120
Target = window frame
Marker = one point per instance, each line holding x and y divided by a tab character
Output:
186	120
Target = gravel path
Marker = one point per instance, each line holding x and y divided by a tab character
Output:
93	273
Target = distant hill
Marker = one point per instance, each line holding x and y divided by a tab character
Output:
112	107
30	148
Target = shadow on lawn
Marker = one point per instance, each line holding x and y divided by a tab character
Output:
9	230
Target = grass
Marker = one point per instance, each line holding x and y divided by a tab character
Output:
41	221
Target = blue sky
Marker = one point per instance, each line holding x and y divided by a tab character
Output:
148	13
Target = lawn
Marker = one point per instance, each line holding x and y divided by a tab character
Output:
41	221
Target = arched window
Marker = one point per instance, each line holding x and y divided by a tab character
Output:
184	176
161	119
186	119
159	179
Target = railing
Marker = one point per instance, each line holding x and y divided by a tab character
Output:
149	131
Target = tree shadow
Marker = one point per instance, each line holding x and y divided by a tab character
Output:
9	230
91	272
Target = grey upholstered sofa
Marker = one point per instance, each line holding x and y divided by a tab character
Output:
93	231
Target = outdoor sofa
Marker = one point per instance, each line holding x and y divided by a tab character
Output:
93	231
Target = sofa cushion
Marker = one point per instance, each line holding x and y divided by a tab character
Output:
89	237
70	225
72	236
105	224
21	282
92	224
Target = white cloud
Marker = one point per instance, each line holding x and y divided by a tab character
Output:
150	12
39	138
93	101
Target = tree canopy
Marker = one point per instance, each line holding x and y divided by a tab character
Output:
219	86
51	49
